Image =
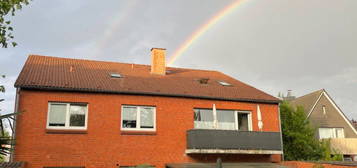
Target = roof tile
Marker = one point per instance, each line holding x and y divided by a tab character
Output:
44	72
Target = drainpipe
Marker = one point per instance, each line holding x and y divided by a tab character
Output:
281	133
13	134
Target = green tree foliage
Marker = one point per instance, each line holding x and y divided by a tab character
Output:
5	138
8	7
299	137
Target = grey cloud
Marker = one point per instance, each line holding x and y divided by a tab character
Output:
273	45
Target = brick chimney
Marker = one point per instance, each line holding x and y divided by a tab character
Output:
158	65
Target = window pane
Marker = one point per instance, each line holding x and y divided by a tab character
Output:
226	119
146	117
57	116
203	119
243	122
77	115
129	117
326	133
340	133
203	115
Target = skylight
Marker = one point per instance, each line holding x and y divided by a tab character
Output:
115	75
223	83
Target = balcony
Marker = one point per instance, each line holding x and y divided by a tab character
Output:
232	142
347	146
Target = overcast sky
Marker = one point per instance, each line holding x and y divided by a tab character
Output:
273	45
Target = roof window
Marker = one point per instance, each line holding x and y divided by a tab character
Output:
115	75
223	83
203	80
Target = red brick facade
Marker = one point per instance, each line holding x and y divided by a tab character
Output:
104	145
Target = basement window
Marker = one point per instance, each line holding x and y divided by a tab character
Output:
115	75
67	116
138	118
223	83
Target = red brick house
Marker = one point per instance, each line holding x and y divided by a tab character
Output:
95	114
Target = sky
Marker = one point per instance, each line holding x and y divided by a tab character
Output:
274	45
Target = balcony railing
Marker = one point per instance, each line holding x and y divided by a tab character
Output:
232	141
347	146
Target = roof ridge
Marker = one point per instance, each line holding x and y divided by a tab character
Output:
311	93
125	63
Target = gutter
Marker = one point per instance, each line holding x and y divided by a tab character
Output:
281	135
148	93
13	134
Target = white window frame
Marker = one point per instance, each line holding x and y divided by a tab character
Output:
138	123
67	124
250	128
249	119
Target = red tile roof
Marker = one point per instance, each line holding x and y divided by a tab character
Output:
44	72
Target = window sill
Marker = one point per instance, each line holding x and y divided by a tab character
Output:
130	132
65	131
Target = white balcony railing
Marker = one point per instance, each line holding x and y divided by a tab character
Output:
346	146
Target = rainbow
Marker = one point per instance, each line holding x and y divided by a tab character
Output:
118	20
202	29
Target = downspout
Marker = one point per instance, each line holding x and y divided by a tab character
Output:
13	134
281	133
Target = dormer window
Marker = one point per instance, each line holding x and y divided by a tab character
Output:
203	80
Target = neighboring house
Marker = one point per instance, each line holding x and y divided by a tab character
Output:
95	114
324	114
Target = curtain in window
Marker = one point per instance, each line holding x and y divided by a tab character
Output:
146	117
340	133
57	116
226	119
203	119
129	117
326	133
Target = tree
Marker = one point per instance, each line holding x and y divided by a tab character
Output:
299	137
8	7
5	140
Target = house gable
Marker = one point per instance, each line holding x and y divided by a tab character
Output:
307	101
325	113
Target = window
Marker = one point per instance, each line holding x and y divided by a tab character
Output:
243	122
67	116
331	133
115	75
347	158
225	119
138	118
203	118
324	110
223	83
